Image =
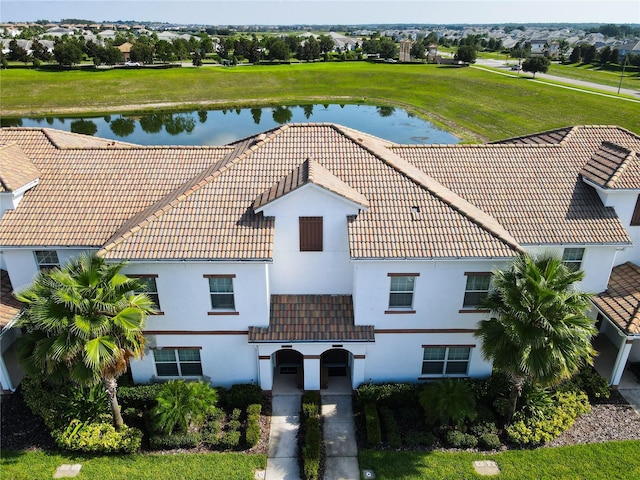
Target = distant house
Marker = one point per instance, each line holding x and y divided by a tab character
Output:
125	48
538	47
632	48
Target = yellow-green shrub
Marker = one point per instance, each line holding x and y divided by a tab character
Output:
97	437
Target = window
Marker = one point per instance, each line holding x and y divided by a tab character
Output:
572	258
47	259
476	289
149	287
401	291
221	290
178	362
635	218
446	360
310	234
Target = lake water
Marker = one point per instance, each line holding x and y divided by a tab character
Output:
219	127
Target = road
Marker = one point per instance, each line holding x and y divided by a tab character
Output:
487	62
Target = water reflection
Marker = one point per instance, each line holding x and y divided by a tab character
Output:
220	127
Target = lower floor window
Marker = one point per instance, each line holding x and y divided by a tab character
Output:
178	362
446	360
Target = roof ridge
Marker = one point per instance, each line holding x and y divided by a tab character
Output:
177	195
630	154
444	194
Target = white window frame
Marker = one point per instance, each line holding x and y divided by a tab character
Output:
573	257
471	288
147	279
395	278
177	361
446	360
213	294
45	260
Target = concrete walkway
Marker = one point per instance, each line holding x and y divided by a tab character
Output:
282	458
339	438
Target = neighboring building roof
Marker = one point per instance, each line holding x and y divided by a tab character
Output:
613	167
311	318
424	201
17	170
621	300
9	305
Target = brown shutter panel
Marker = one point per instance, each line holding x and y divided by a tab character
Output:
310	234
635	218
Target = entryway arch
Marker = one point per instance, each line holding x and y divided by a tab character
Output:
288	371
336	366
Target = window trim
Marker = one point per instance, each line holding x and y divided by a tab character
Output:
570	263
445	361
222	311
46	266
153	295
391	310
474	308
178	362
313	239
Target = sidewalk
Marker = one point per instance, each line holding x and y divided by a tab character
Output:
339	438
282	458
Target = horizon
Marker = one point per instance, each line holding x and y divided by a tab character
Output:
327	12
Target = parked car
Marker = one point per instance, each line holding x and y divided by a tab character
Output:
132	64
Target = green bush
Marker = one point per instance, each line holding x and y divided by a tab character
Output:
540	429
183	406
419	439
174	441
241	396
448	402
489	441
97	438
141	397
230	439
457	439
372	424
252	434
311	435
390	426
392	395
589	381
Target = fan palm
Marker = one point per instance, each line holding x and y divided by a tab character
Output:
83	323
538	330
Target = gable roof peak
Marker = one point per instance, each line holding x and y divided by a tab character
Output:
613	166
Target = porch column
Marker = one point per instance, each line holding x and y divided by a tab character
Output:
312	372
266	372
621	362
357	376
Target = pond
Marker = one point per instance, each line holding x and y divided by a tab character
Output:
219	127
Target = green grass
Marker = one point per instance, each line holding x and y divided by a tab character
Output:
42	465
606	461
590	73
471	103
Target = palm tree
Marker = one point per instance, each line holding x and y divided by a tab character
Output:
538	331
83	323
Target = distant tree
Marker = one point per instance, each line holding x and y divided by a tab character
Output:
142	52
278	49
164	51
17	53
575	56
111	56
605	55
39	51
326	43
122	127
418	50
256	113
466	53
181	48
430	39
590	55
67	53
615	56
388	48
521	50
281	114
535	65
310	49
206	44
563	48
196	59
85	127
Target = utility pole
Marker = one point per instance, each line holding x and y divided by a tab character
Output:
624	65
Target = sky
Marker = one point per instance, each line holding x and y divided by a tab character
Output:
340	12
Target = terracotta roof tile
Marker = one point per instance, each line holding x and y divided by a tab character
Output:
311	318
16	170
621	300
9	305
613	167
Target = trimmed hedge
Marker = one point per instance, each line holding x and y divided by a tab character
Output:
457	439
241	396
372	423
391	430
312	435
140	397
174	441
252	434
392	395
97	438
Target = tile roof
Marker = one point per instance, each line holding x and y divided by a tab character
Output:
310	172
621	300
9	305
311	318
431	201
613	167
16	170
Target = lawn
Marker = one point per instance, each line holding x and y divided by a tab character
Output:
606	461
590	73
38	464
471	103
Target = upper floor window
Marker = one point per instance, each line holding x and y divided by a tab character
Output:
401	290
476	289
150	288
178	362
310	234
47	259
446	360
572	258
635	218
221	292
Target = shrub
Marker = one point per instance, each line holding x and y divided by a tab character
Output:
175	440
457	439
537	430
252	435
449	402
311	435
422	439
241	396
97	437
390	426
489	441
230	439
183	406
482	428
372	423
141	397
589	381
392	395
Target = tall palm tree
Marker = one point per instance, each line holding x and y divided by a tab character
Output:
83	323
538	330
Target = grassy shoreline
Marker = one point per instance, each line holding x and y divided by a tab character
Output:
470	103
